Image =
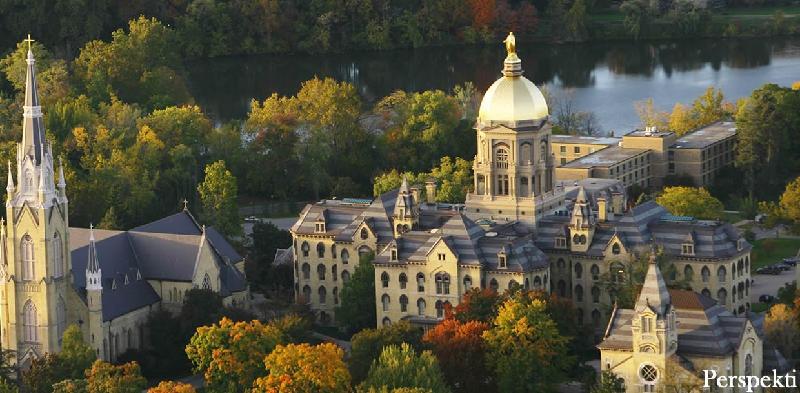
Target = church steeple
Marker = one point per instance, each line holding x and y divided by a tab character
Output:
10	182
654	293
93	272
33	124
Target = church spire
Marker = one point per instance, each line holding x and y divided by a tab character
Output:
654	290
62	182
33	124
10	184
93	271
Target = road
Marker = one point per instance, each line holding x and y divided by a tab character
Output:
767	284
281	223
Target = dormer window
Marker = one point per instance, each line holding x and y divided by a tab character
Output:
394	254
687	249
320	227
615	249
561	242
364	234
502	262
647	326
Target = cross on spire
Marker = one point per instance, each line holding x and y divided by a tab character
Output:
185	204
29	40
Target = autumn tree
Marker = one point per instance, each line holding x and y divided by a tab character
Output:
483	12
461	352
401	366
172	387
231	355
357	308
105	377
780	326
690	201
368	344
453	178
790	201
52	77
303	368
218	193
525	349
649	115
478	305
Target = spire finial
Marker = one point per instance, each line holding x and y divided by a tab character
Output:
512	66
62	182
29	40
511	44
185	205
10	182
91	232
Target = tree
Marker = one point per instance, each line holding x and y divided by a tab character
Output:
172	387
648	114
218	193
231	355
43	373
262	274
52	79
690	201
790	201
75	354
461	352
526	351
780	327
105	377
302	368
368	344
454	179
637	16
681	120
357	309
709	107
401	366
609	383
576	20
478	305
69	386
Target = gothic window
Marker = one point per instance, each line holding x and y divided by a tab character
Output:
29	179
334	273
385	279
345	276
596	318
61	318
647	325
481	187
442	284
706	292
747	288
403	280
501	157
333	251
421	307
561	265
617	272
58	256
403	303
27	258
722	296
578	293
748	364
502	261
420	282
305	247
493	285
206	282
385	302
578	270
537	283
595	272
364	234
740	267
705	273
562	288
688	273
335	295
320	250
345	256
323	295
733	271
321	271
721	274
439	309
386	321
306	271
615	249
595	294
648	375
363	250
29	322
527	284
741	290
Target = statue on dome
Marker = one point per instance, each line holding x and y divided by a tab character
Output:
511	44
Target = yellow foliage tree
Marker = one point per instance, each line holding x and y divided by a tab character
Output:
796	85
107	378
302	368
780	328
172	387
681	120
690	201
790	201
650	116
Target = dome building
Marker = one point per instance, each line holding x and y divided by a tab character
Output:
514	163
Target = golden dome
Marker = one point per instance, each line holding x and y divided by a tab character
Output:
513	100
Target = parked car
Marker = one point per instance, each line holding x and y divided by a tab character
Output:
251	219
766	298
780	265
791	261
768	270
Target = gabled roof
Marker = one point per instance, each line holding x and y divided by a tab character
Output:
654	294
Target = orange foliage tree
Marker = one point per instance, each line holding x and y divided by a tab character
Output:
461	351
477	305
303	368
172	387
107	378
483	12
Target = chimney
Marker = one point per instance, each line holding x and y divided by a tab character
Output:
602	209
616	202
430	190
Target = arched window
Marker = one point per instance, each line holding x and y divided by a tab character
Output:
688	273
617	272
345	276
306	293
747	263
615	249
442	284
306	271
527	284
363	250
321	271
420	282
206	282
525	153
747	288
305	247
364	234
578	293
323	294
334	273
29	323
595	270
596	318
26	247
741	290
403	303
403	280
386	321
722	274
320	250
706	292
733	271
648	376
439	309
501	156
578	270
595	294
61	318
58	256
705	273
345	256
385	279
335	295
722	296
748	364
421	307
333	251
537	283
493	285
562	288
385	302
733	293
561	265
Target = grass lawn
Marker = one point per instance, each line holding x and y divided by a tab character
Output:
769	251
759	11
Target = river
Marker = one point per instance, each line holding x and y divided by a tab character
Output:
605	78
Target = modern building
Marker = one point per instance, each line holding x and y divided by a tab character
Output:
571	147
647	157
105	282
665	341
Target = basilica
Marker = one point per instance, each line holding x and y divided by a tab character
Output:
520	226
106	282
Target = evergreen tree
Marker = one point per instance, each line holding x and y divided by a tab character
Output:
357	309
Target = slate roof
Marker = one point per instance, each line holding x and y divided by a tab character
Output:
166	249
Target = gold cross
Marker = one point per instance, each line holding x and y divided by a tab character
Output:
29	40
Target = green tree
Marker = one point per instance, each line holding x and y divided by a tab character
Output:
526	350
690	201
638	16
709	107
401	366
368	344
52	78
453	178
576	20
357	309
218	193
261	273
609	383
75	354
